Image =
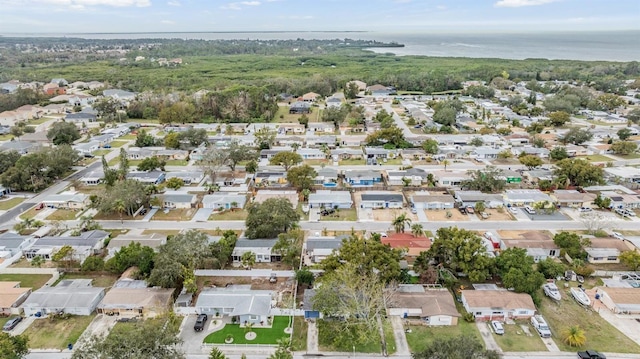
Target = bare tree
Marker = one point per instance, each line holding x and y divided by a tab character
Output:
213	161
594	222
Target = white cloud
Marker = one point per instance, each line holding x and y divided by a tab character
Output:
240	5
79	4
521	3
174	3
168	22
250	3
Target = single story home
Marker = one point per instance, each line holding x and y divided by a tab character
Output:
86	244
321	127
75	297
311	154
239	301
498	304
623	173
620	300
300	107
410	245
67	200
188	177
290	195
262	248
622	200
539	250
573	198
602	255
270	177
346	154
363	177
412	177
450	178
330	199
307	305
485	153
224	200
434	307
316	249
92	178
152	177
327	177
130	298
11	297
178	200
14	243
153	240
525	197
381	199
470	198
429	200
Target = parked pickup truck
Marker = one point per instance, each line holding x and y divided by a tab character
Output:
591	354
538	322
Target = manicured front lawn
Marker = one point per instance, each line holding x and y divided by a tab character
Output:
422	337
101	152
342	215
34	281
299	337
6	137
55	333
238	215
360	162
596	158
118	144
7	204
600	334
62	215
631	156
177	163
127	137
263	335
327	330
515	339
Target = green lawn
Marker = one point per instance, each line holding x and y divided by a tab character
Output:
41	120
118	143
299	337
174	215
389	338
7	204
62	215
283	115
30	213
631	156
127	137
596	158
238	215
55	333
600	334
34	281
101	152
327	330
263	335
352	162
6	137
350	214
97	280
177	163
515	339
422	337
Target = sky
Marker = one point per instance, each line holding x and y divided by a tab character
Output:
113	16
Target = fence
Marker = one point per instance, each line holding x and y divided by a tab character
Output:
208	346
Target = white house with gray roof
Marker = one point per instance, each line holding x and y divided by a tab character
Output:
470	198
262	248
188	177
85	245
413	176
326	177
331	199
316	249
66	200
178	200
14	243
381	199
525	197
76	297
224	200
239	301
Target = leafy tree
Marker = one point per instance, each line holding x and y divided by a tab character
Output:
392	136
550	268
37	170
251	167
248	259
132	255
93	264
302	176
400	222
479	91
179	112
238	152
174	183
131	193
304	120
559	118
213	160
282	351
194	137
147	339
304	276
505	154
64	255
579	172
270	218
264	138
460	347
602	202
624	147
289	246
536	127
609	102
152	163
13	346
624	133
221	250
577	136
631	259
634	115
516	270
336	115
531	161
572	243
480	207
63	133
172	140
8	160
286	159
144	139
123	164
351	90
487	180
178	258
445	116
430	146
476	142
574	336
461	251
107	108
417	230
558	153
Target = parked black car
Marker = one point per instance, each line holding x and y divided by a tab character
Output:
200	321
11	323
591	354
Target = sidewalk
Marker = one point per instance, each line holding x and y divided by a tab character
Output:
312	337
486	335
402	347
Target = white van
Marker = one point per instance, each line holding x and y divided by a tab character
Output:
497	327
529	210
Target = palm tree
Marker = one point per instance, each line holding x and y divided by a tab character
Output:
417	230
399	222
295	146
216	354
120	207
445	163
574	336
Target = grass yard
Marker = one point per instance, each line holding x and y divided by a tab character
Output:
299	337
283	115
97	280
30	213
56	333
421	337
350	214
327	329
3	320
516	340
263	335
174	215
41	120
600	334
7	204
352	162
62	215
391	161
101	153
166	232
6	137
127	137
631	156
118	144
238	215
596	158
316	162
34	281
177	163
389	338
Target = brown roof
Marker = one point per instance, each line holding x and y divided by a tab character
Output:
432	302
498	299
137	297
573	195
10	292
623	295
609	243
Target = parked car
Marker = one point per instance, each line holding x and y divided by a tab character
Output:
200	321
497	327
273	278
591	354
414	210
11	323
617	235
326	212
470	210
484	215
39	206
513	210
585	209
463	210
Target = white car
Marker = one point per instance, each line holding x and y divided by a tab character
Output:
617	235
513	210
585	209
497	327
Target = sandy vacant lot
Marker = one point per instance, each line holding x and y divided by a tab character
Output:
495	215
387	215
531	235
441	215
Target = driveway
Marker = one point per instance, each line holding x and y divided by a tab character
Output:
100	326
365	215
489	341
312	337
192	340
314	214
22	326
402	347
202	215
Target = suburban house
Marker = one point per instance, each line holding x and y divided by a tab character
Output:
300	107
268	178
430	200
310	97
412	177
151	177
290	195
470	198
269	153
291	128
450	178
262	248
53	89
414	154
177	200
573	198
525	197
92	178
622	200
361	85
153	240
346	154
224	200
86	244
327	177
433	307
498	304
22	147
140	153
11	297
333	102
607	250
380	90
289	141
620	300
485	153
311	154
363	177
321	140
188	177
121	95
75	297
623	173
381	199
530	150
538	249
236	301
377	154
81	117
330	199
67	200
321	127
14	243
316	249
130	298
410	245
87	148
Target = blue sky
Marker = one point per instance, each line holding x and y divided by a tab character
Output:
72	16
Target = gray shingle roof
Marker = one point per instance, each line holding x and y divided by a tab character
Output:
243	301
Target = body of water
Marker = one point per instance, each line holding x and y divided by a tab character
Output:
609	46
